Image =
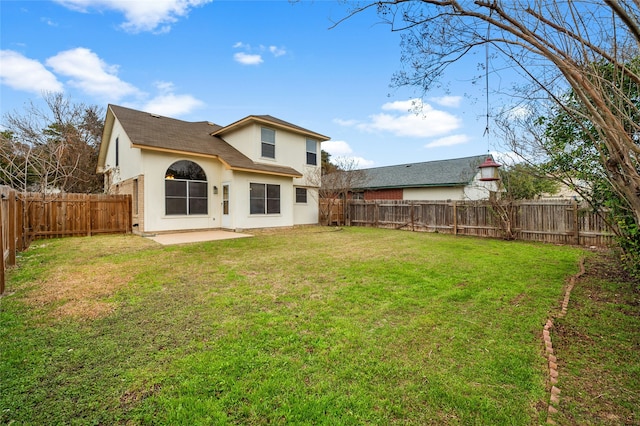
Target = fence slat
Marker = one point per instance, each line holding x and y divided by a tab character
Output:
2	243
555	221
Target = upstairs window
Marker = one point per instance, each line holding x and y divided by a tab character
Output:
312	152
185	187
268	141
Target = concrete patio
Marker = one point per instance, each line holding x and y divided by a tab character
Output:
195	237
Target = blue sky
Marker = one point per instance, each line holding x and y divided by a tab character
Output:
223	60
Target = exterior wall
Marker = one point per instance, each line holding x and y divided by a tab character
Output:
242	219
476	190
384	194
129	161
154	218
306	214
247	141
291	150
435	193
480	190
135	188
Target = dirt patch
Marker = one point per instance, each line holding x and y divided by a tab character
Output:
606	266
81	292
596	343
518	299
131	397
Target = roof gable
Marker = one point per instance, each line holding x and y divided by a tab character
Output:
453	172
155	132
268	121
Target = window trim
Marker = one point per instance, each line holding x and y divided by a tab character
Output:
264	142
306	195
265	199
187	193
314	152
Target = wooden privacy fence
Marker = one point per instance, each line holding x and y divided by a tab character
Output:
11	230
68	215
553	221
25	217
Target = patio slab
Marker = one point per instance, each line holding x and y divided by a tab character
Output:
195	237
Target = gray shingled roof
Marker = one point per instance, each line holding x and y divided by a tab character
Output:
454	172
169	134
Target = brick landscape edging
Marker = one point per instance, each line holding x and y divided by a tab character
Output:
554	399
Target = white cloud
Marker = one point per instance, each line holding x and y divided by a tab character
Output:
169	104
508	158
140	15
348	162
172	105
448	141
91	74
249	55
410	118
165	86
404	106
21	73
49	22
247	59
447	101
430	123
340	155
337	148
277	51
519	112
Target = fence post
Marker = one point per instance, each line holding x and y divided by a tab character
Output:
454	206
2	265
576	221
20	223
11	232
411	206
376	213
87	206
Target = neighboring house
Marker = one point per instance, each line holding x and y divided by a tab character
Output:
455	179
258	172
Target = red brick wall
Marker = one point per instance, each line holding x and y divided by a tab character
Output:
384	194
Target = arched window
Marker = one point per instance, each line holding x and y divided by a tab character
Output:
185	187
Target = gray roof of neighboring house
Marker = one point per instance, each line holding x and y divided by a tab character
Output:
454	172
152	131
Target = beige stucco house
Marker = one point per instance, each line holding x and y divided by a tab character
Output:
257	172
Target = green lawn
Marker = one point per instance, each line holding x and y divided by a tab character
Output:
305	326
598	345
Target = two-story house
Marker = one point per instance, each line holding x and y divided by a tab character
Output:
258	172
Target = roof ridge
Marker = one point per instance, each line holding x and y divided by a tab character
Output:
429	162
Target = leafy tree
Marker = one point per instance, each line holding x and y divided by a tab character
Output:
327	165
583	47
53	149
523	181
574	148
